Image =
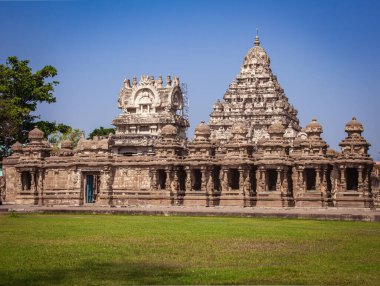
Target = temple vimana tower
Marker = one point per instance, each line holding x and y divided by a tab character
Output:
252	153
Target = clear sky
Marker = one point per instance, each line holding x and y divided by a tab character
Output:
325	54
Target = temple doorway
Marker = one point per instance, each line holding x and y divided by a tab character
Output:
92	182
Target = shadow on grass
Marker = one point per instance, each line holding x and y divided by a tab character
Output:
94	273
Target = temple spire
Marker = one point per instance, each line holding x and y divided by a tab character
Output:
257	40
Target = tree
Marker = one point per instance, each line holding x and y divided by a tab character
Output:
101	131
57	137
51	127
20	92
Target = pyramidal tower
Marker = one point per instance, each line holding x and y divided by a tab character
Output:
255	98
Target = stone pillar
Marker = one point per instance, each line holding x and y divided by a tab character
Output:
203	180
153	184
33	188
210	181
168	179
258	180
324	181
209	187
360	179
174	187
295	189
301	180
241	180
342	185
188	179
318	179
285	183
247	182
40	186
247	188
278	182
263	179
224	180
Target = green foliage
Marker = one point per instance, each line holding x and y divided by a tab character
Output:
58	136
144	250
51	127
101	131
20	92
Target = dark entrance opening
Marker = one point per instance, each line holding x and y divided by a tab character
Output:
328	178
252	180
234	179
26	181
197	180
272	179
352	179
162	179
310	179
215	178
182	179
92	183
290	181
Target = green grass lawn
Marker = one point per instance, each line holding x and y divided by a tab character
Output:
119	250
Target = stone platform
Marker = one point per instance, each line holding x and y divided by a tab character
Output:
353	214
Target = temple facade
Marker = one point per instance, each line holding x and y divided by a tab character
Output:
252	153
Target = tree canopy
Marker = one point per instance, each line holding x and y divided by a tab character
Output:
20	92
101	131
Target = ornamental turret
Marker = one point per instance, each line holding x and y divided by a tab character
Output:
354	144
147	106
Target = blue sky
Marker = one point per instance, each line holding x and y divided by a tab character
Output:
325	54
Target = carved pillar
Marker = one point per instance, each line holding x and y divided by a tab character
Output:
263	179
278	182
203	180
324	181
153	183
241	180
175	186
224	180
301	180
258	180
247	188
285	184
210	181
318	179
342	184
168	179
20	184
33	189
188	179
40	186
360	179
295	180
209	187
247	182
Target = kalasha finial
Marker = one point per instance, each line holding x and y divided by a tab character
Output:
257	40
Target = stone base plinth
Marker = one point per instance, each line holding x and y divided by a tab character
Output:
232	199
312	199
271	199
157	198
353	199
196	199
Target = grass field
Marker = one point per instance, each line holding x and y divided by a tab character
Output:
119	250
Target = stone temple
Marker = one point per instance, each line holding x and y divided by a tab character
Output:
252	153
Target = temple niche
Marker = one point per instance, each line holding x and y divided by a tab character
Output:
252	153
